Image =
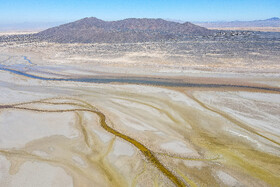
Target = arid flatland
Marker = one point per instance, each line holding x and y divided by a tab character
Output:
201	111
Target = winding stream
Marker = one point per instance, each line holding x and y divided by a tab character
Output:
89	108
144	81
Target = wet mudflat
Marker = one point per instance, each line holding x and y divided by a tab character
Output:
76	125
125	135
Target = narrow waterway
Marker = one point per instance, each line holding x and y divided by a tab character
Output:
141	147
144	81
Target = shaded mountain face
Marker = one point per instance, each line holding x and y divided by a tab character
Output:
92	30
272	22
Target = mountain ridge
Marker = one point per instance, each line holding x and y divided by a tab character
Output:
92	30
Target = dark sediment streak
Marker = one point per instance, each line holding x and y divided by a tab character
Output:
144	81
145	151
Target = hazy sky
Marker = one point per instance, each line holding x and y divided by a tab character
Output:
16	11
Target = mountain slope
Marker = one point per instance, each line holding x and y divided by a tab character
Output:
91	30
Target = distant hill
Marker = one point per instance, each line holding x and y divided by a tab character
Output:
272	22
27	26
91	30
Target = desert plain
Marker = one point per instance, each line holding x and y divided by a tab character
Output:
202	112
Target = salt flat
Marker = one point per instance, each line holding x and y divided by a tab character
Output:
58	120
